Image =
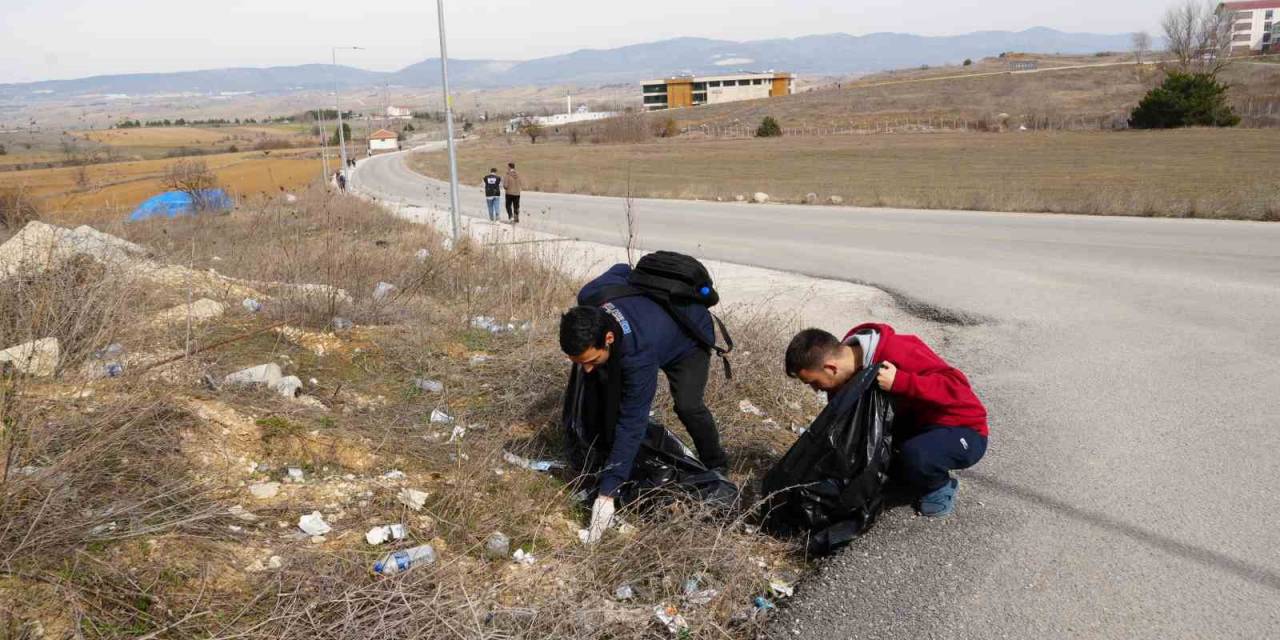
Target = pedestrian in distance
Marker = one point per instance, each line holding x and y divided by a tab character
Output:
512	184
939	426
641	338
342	181
492	192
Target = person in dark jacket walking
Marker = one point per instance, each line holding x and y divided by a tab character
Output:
513	193
492	192
646	339
940	425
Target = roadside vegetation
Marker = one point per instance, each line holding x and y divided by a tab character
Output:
157	500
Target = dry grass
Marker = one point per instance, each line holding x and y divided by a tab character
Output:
149	141
165	458
1189	173
104	192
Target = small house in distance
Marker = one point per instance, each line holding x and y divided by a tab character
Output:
383	140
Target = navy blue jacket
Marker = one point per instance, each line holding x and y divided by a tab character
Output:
650	340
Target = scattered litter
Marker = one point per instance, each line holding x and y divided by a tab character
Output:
521	557
341	324
412	498
532	465
430	386
29	470
440	417
485	323
624	592
422	255
103	528
479	359
379	535
746	406
114	370
318	539
240	512
798	430
383	290
313	524
264	490
273	563
584	536
701	597
290	198
394	474
762	604
251	305
458	432
781	588
401	561
497	546
294	474
770	423
670	617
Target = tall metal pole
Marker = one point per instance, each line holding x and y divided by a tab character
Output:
454	211
342	141
324	145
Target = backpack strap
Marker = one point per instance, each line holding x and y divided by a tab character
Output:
614	292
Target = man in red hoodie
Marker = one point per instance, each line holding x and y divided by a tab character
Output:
939	424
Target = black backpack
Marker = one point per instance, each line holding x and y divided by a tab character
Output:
674	280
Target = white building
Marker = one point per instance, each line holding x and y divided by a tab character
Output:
690	91
383	140
400	113
1255	28
583	114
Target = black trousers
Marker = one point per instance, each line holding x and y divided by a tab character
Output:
513	207
688	379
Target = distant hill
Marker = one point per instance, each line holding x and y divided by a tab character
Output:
830	54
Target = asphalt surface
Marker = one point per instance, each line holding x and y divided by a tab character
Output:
1132	370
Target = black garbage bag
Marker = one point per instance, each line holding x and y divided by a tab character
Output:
830	485
663	462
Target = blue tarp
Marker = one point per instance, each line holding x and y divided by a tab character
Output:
177	203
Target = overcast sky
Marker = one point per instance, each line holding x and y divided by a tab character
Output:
50	39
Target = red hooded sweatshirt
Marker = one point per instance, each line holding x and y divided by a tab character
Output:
927	391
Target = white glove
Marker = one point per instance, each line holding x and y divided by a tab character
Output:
601	517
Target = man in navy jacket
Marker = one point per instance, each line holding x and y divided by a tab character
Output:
643	335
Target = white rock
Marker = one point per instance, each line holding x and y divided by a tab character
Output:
310	401
760	197
267	374
383	290
523	558
201	310
288	386
811	198
479	359
40	246
835	200
394	474
313	524
746	406
412	498
740	198
422	254
264	490
497	546
39	358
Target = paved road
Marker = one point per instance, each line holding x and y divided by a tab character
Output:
1132	368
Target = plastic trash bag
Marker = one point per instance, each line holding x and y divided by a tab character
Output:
663	462
830	485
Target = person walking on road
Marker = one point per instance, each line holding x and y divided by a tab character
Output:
940	425
492	192
342	181
513	193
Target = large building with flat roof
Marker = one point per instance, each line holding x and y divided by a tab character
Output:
1255	26
691	91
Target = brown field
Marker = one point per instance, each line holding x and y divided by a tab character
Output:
111	191
1186	173
153	141
1074	98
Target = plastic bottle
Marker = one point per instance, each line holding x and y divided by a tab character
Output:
401	561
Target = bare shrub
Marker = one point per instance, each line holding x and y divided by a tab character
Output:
628	127
193	178
16	208
1198	36
273	143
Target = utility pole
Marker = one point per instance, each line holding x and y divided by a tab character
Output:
342	141
324	145
454	213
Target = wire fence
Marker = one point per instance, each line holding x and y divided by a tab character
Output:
1254	113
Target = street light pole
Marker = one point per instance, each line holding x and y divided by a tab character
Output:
342	141
454	211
